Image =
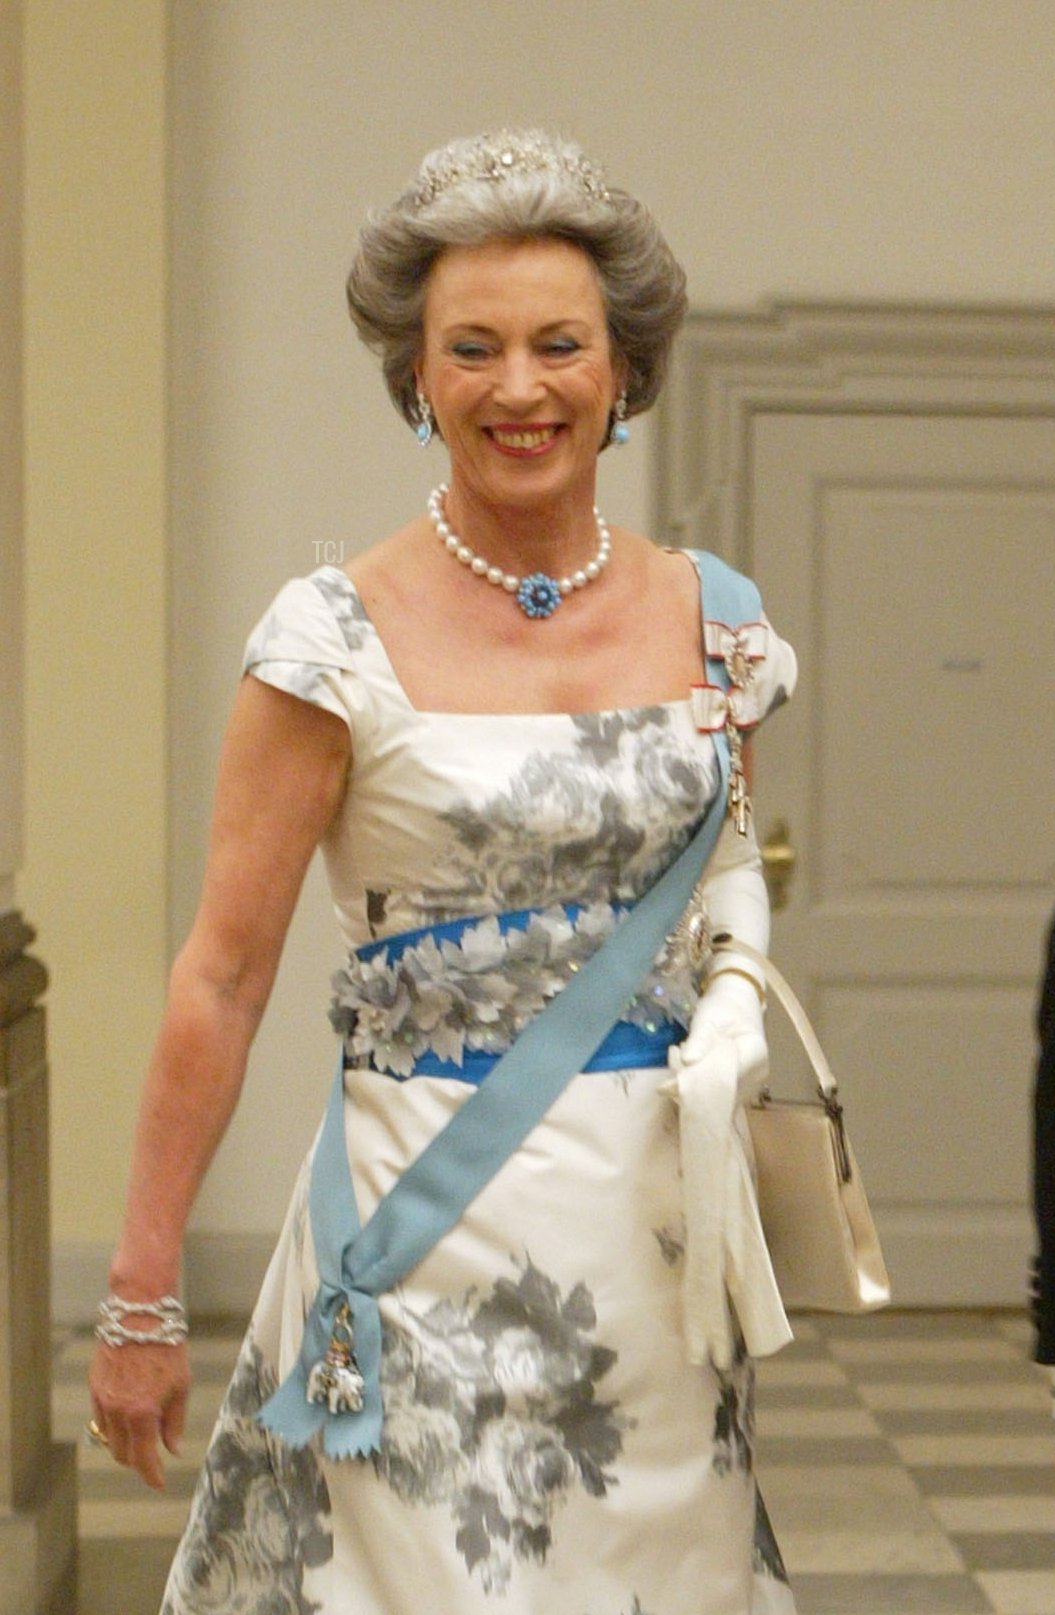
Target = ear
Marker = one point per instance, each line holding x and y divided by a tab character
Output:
620	372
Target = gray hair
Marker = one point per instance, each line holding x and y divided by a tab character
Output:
515	185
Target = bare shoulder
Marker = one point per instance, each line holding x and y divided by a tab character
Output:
649	629
665	579
387	568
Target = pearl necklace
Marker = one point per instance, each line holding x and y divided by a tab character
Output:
538	595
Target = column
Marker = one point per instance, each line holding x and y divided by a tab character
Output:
38	1483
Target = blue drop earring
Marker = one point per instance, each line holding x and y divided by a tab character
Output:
620	432
425	423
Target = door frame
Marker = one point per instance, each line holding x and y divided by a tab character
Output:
821	357
802	359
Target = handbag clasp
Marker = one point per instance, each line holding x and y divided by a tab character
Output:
834	1112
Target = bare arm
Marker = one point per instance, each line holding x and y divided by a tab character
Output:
282	776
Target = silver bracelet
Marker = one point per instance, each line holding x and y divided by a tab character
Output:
169	1311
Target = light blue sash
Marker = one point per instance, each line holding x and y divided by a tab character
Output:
356	1263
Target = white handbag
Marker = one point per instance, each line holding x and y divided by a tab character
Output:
818	1227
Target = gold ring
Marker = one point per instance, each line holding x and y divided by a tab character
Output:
95	1434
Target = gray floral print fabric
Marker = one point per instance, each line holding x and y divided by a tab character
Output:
260	1516
491	1408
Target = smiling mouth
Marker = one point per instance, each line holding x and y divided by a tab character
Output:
522	439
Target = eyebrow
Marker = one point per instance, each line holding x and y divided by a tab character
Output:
471	328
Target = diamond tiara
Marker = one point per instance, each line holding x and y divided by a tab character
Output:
495	157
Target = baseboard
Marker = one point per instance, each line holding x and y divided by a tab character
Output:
969	1260
957	1257
221	1277
223	1272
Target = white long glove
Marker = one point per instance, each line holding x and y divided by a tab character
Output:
722	1064
734	891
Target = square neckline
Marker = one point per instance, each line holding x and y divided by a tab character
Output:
677	703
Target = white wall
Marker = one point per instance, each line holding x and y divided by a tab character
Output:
93	881
873	149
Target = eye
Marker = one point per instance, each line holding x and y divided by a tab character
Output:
560	346
471	351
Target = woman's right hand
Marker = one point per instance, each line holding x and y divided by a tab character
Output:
139	1398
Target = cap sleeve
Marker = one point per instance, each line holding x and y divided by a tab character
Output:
304	644
775	673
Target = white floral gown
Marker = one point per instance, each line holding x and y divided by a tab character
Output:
547	1448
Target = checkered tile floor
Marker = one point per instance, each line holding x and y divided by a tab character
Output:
908	1461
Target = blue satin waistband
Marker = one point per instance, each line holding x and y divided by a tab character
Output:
627	1046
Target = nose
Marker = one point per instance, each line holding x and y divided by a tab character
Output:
519	380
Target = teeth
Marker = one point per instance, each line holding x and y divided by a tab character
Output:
525	440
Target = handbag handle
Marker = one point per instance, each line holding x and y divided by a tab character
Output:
827	1087
826	1083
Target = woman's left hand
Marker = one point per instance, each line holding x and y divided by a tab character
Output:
729	1009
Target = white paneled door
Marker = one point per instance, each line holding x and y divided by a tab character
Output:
910	557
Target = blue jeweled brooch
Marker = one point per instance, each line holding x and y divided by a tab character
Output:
538	595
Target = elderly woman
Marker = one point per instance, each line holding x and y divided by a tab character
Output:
502	1356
